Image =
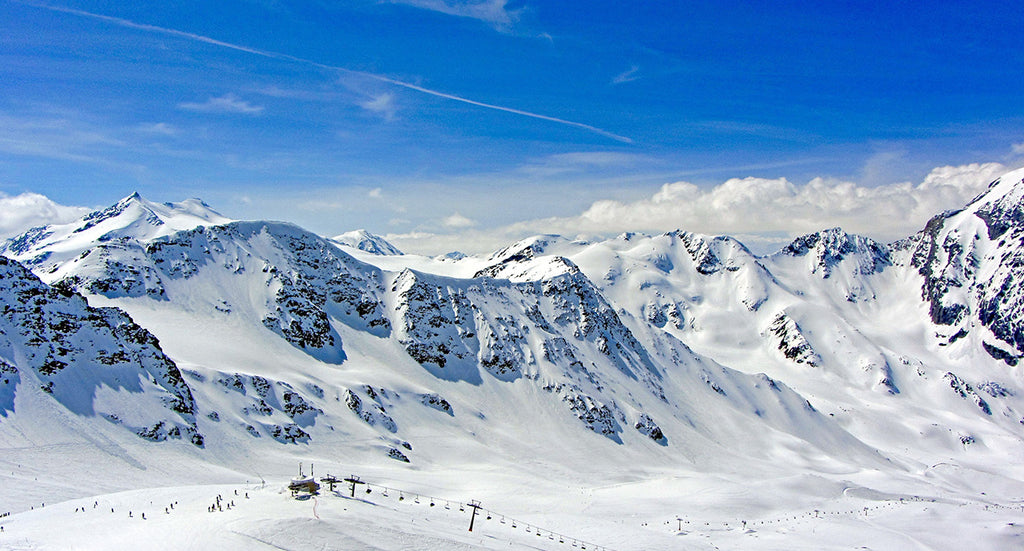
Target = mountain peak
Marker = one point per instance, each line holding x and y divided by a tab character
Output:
1001	206
132	217
830	247
368	242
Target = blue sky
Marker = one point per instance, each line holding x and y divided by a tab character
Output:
458	124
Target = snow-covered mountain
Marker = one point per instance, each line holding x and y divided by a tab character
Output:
668	355
92	361
366	241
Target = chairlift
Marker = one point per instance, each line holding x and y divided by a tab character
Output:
503	519
461	508
447	506
401	497
385	494
488	516
368	490
417	500
431	502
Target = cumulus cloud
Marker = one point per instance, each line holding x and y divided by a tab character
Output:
1018	148
759	206
488	11
19	213
456	221
763	213
228	103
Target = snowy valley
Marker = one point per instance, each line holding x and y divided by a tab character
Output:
671	391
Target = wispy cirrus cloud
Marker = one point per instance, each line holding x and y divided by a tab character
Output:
290	58
494	12
629	75
228	103
382	104
64	136
161	128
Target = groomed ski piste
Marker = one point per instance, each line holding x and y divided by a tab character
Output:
710	514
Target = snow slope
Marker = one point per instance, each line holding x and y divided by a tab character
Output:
642	392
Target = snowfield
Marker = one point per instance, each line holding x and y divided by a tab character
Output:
642	392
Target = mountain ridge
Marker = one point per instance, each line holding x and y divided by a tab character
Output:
644	349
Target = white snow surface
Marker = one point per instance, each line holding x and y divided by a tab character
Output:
804	400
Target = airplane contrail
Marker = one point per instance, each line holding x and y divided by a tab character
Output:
286	57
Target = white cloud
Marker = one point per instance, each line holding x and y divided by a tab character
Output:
161	128
375	193
763	213
488	11
1017	148
563	163
764	206
228	103
432	244
383	105
458	221
629	75
22	212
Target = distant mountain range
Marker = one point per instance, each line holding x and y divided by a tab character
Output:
179	325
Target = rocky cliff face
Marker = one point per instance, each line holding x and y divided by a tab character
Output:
93	361
972	262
